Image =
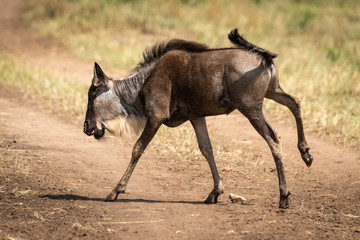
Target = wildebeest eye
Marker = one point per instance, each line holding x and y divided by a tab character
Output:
94	92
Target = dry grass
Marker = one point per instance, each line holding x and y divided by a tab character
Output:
60	95
12	158
317	41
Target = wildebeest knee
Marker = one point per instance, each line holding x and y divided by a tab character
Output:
137	150
275	147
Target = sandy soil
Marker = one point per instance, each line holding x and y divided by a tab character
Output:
53	177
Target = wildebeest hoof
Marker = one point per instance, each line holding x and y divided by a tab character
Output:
284	204
211	200
213	197
307	157
111	197
284	201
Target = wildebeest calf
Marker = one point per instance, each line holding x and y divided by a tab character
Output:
181	80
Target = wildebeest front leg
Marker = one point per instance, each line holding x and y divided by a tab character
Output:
145	138
202	135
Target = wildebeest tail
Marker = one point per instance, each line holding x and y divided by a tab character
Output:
241	42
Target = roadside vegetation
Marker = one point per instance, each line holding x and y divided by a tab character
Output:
62	96
317	42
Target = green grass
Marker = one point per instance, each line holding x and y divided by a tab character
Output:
317	42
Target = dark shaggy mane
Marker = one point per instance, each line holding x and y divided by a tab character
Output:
160	49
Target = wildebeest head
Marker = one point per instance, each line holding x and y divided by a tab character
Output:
99	85
111	107
102	104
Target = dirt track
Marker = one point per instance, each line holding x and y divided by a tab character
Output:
56	188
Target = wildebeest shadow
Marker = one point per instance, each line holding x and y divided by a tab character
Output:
74	197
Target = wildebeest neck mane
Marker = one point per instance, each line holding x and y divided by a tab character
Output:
159	49
128	92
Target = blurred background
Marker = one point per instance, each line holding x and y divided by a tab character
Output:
318	43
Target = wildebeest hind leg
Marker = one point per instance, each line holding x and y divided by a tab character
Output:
259	122
202	135
145	138
277	94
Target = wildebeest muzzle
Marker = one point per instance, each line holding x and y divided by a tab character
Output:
91	129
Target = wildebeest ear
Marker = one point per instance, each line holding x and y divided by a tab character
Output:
99	76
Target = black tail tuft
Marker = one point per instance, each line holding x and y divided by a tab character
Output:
240	42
